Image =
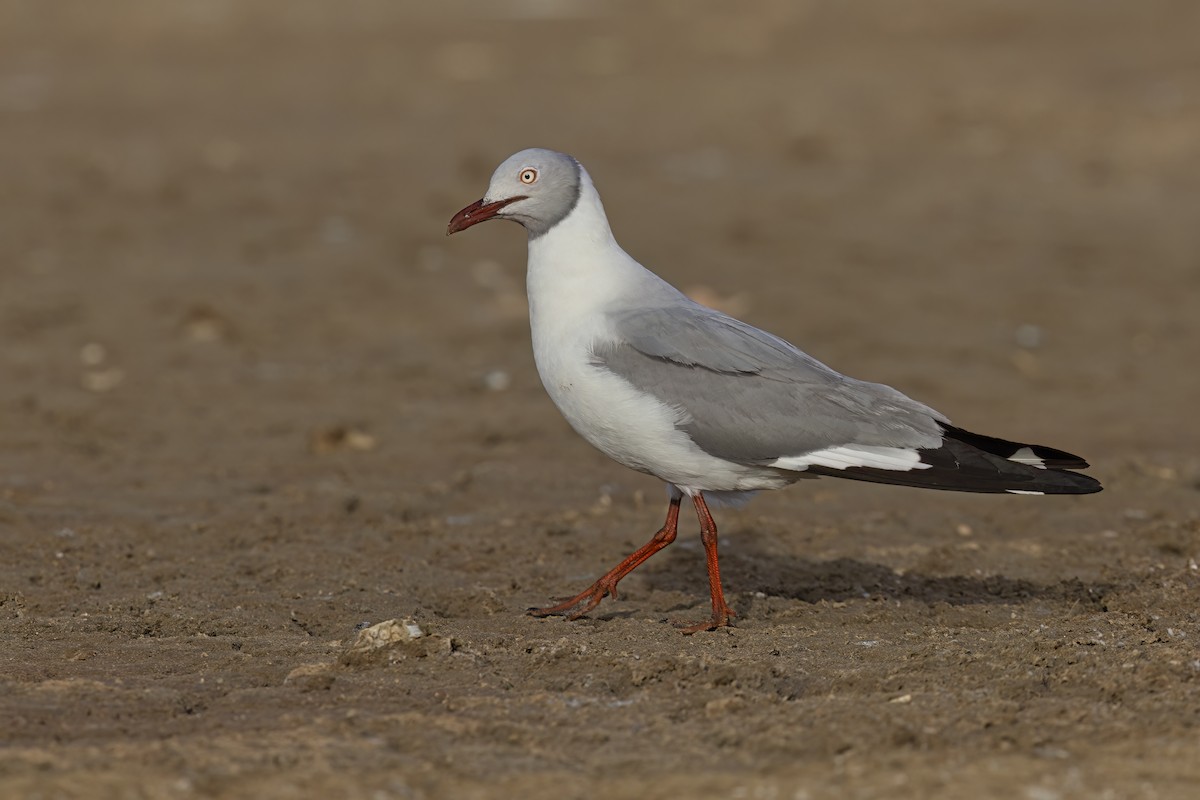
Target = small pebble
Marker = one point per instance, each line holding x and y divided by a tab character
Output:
92	354
1029	336
102	380
497	380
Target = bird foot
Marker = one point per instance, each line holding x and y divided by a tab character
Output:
589	598
719	619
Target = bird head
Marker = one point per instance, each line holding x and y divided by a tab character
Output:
537	188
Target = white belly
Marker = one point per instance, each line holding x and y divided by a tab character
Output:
575	272
632	427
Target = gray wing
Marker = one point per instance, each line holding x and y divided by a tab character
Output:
752	397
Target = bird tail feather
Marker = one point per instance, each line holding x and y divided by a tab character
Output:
972	462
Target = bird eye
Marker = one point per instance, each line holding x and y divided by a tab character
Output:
528	175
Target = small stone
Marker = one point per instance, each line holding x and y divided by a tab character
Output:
92	354
497	380
307	671
103	380
723	706
391	641
341	438
87	579
1028	336
202	323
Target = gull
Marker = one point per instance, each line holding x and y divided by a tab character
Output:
716	408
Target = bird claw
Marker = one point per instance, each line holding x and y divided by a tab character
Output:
719	619
548	611
589	599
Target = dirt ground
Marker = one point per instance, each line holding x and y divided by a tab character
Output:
252	400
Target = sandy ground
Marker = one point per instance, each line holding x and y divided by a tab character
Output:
252	399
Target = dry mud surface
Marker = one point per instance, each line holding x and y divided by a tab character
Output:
252	398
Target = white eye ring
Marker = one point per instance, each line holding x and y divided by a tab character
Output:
528	175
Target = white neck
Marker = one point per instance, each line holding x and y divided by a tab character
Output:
583	231
578	265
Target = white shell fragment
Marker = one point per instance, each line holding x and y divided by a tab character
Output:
385	634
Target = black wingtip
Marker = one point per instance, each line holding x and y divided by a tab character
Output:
1062	481
971	462
1050	457
1011	479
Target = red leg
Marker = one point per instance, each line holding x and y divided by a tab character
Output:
721	612
590	597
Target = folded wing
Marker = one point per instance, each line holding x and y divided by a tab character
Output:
752	398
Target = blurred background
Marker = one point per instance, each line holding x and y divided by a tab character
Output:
990	204
233	329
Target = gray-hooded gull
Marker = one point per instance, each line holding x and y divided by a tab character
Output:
705	402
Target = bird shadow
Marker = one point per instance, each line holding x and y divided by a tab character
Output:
844	579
